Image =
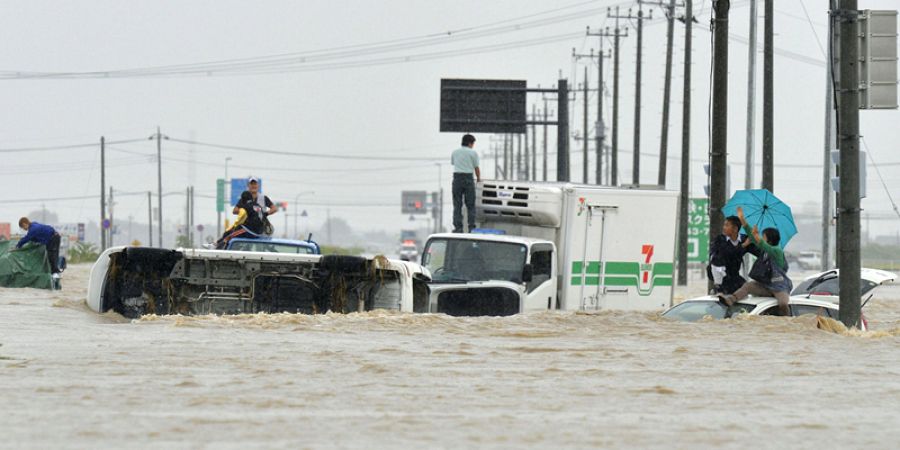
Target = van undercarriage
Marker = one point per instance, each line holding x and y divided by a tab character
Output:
143	281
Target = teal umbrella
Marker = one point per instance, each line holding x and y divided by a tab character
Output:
763	209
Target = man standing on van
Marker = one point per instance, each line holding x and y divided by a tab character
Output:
465	164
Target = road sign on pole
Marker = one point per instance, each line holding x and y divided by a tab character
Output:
220	195
698	230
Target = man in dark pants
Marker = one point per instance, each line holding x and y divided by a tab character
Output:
726	256
465	164
44	235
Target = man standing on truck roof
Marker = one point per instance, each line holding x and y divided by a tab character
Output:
44	235
465	164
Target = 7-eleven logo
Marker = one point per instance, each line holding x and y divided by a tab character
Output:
646	265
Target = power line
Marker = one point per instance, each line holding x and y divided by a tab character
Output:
279	62
305	154
65	147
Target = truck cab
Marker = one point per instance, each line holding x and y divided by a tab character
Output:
274	245
487	273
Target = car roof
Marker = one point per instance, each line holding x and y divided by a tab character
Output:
871	275
757	301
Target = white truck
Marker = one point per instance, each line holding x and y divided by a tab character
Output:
561	246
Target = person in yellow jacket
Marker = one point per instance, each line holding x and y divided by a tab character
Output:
236	229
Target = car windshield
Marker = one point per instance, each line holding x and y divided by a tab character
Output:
269	247
829	285
694	310
462	260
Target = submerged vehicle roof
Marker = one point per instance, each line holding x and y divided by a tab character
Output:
756	301
871	275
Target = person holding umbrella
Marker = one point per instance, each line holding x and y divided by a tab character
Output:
769	273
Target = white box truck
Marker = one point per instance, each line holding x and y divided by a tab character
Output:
556	246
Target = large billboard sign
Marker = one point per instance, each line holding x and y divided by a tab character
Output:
483	106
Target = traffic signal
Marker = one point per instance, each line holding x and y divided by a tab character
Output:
413	202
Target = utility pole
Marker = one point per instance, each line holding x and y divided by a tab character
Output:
159	137
719	151
600	131
584	137
685	148
562	131
149	219
585	90
636	161
112	223
751	101
534	143
527	170
187	216
102	193
507	151
667	94
617	34
848	136
193	224
768	180
518	157
545	141
826	163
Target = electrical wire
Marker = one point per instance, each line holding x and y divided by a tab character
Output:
883	184
305	154
65	147
280	61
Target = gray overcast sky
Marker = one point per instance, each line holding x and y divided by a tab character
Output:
389	110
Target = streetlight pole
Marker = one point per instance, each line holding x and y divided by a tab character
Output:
296	201
440	206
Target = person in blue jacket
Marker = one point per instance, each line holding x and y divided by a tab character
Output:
44	235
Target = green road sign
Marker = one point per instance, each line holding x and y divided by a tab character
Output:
698	230
220	195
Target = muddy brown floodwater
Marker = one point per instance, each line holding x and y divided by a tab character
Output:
70	378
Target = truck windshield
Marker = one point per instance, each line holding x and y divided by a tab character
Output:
269	247
462	260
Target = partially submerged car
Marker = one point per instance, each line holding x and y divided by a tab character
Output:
134	281
817	294
697	309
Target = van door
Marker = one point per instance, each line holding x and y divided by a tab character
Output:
586	283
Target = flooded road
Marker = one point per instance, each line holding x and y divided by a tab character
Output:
70	378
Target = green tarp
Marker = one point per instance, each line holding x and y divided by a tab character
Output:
26	267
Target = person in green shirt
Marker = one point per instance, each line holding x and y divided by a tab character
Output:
778	285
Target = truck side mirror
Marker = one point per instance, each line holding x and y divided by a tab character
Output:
527	273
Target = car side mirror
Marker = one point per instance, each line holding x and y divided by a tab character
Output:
527	273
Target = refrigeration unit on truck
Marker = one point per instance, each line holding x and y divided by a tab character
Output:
556	246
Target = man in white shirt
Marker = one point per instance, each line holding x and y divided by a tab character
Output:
465	164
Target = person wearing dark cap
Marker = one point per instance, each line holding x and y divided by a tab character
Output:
44	235
465	165
264	207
